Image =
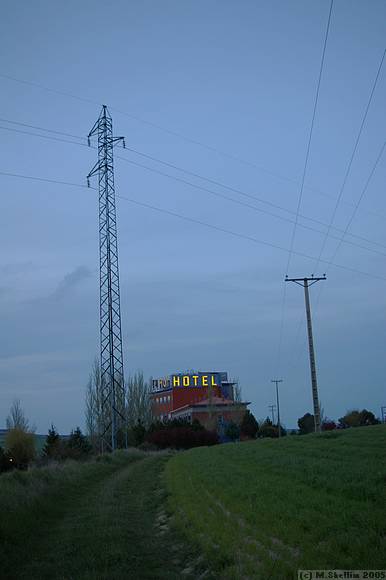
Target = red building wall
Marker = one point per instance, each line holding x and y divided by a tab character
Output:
179	397
188	395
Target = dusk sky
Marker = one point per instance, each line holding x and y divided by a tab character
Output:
226	90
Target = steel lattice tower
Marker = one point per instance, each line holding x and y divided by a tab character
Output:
112	405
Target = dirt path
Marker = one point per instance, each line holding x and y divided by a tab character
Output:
111	527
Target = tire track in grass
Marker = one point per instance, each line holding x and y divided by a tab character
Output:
112	528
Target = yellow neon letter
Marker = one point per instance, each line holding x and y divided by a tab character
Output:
195	378
213	381
176	381
204	380
186	381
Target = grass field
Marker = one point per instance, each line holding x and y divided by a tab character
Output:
265	509
261	509
101	520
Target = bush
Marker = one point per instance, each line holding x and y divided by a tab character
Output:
328	425
5	462
147	446
181	437
267	429
306	424
20	446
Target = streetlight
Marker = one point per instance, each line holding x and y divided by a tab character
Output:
276	381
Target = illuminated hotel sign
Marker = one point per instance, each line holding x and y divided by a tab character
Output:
188	380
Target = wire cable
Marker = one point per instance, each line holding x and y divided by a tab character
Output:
351	158
196	221
322	286
233	200
300	197
310	135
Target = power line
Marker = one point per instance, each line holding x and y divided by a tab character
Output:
48	180
245	237
330	225
150	124
166	130
310	135
352	157
200	222
188	172
233	200
363	192
49	89
41	129
283	307
183	170
360	199
236	201
239	191
12	129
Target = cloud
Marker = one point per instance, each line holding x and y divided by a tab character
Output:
71	280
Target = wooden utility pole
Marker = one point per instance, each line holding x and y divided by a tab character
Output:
306	283
276	381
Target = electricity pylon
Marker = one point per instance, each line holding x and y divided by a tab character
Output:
315	397
112	406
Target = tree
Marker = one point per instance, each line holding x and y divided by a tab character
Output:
232	431
249	426
357	418
93	411
306	424
138	401
267	429
368	418
97	414
77	446
52	447
16	418
20	446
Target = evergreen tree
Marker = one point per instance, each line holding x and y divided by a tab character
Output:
52	446
78	445
232	431
249	426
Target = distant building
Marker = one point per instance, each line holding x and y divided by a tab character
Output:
208	397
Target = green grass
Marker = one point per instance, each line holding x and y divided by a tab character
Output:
104	519
266	508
